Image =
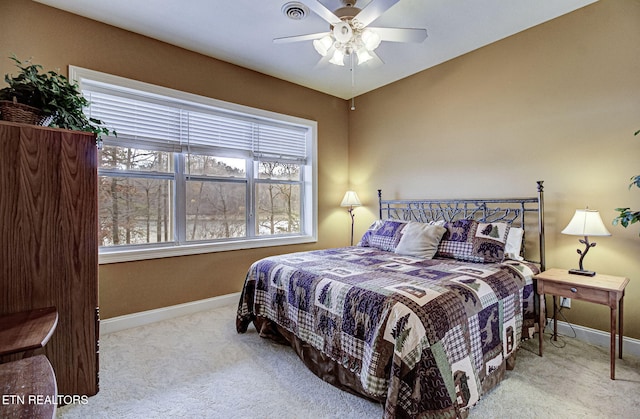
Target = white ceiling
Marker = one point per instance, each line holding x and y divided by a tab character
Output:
242	31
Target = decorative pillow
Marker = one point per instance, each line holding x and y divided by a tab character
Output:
364	240
474	241
385	237
420	240
514	244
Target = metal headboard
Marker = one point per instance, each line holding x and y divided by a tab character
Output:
512	210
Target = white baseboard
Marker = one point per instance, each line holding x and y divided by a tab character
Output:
595	337
128	321
592	336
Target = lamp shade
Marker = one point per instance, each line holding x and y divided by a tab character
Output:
363	55
586	222
323	45
350	200
337	58
370	39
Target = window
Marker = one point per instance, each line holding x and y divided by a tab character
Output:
216	198
188	174
135	199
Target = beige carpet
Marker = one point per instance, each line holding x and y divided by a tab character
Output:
196	366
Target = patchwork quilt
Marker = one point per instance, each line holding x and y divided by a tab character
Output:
427	336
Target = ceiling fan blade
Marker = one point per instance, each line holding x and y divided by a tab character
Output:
319	9
298	38
373	10
401	34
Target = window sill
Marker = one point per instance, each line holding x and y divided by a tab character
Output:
132	254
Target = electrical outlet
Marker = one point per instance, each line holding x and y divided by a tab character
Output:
565	302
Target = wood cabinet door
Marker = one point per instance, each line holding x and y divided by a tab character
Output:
49	252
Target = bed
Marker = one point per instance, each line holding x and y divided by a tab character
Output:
423	315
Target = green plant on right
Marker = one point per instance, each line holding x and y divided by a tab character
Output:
626	216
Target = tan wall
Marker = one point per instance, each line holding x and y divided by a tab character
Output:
559	102
57	39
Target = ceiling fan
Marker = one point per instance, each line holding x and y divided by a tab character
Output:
349	31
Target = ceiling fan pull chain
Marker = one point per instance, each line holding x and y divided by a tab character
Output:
353	84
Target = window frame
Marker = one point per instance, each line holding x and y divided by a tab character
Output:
309	184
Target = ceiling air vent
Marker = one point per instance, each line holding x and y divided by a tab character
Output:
295	10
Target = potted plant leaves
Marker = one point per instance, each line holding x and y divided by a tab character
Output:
627	216
46	98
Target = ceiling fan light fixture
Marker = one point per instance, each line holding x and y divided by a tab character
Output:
370	39
348	32
338	58
342	32
323	45
363	55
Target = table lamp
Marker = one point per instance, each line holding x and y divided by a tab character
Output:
585	222
350	200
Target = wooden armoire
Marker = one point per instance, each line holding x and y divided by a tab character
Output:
49	247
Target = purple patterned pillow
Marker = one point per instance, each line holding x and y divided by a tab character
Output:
474	241
364	241
384	236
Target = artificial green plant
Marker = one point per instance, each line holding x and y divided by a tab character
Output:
54	95
627	216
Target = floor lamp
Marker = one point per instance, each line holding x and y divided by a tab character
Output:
350	200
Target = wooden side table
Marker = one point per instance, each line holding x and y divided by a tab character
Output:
26	331
600	289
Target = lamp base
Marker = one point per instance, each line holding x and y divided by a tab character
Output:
581	272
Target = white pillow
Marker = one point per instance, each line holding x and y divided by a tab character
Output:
420	240
514	243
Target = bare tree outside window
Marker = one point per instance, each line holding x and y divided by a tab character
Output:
216	199
278	198
134	209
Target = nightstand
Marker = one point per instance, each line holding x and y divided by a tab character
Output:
600	289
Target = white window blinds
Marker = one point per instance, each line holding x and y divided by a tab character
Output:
164	123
